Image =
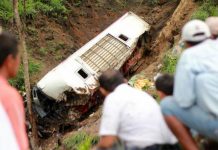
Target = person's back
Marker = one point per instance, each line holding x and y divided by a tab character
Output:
183	112
130	115
13	105
202	62
141	121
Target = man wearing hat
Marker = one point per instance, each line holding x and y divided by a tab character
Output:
195	98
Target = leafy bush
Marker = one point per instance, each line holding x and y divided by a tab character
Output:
207	8
169	63
80	141
153	2
18	82
6	9
52	7
77	3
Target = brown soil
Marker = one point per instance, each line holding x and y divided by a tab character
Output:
168	36
51	40
88	20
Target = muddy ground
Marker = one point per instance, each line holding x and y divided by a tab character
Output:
87	20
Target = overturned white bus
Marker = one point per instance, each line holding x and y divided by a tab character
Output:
69	90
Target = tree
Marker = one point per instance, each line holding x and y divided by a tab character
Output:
20	29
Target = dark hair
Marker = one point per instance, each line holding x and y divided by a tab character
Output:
164	83
214	36
193	43
8	46
110	79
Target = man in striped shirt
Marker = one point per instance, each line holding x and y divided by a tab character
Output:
10	100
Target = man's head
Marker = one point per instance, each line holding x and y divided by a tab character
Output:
212	22
195	32
164	85
109	80
9	55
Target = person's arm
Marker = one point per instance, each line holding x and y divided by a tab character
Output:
107	141
109	122
184	91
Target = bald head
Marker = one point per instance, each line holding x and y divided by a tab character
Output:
212	22
110	79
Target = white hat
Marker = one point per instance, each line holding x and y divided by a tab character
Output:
195	31
212	22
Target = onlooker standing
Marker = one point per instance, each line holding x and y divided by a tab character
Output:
195	101
131	116
9	97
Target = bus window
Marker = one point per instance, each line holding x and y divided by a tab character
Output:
123	37
82	73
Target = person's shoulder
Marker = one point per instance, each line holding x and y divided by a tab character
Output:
189	54
195	50
12	92
143	95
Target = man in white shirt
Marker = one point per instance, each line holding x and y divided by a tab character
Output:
131	116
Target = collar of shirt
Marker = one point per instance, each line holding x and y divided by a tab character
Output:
121	86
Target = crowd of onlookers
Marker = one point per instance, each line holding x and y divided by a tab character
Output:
187	117
132	119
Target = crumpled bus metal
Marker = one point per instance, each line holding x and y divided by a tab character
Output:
65	76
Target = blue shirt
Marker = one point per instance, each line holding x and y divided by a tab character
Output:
196	80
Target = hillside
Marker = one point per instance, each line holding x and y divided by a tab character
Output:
56	29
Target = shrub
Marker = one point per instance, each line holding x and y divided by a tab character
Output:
18	82
6	12
207	8
169	63
80	141
77	3
52	7
152	2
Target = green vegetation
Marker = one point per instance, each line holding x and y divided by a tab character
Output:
153	2
169	63
6	9
80	141
207	8
53	8
18	82
77	3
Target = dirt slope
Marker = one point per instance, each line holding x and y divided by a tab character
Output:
162	43
169	35
52	40
166	21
